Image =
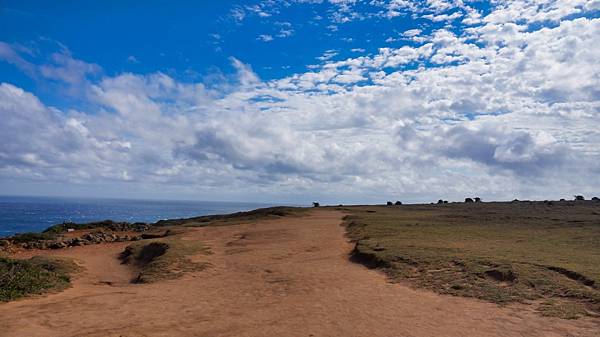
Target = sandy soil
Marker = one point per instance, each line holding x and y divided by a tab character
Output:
289	277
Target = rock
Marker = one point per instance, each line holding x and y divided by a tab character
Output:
123	238
4	243
57	245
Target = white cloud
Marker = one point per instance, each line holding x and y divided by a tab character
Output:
265	38
498	109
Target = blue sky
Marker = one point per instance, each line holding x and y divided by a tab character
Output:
339	100
191	40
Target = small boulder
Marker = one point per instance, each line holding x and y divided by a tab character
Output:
57	245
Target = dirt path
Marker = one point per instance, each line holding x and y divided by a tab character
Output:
289	277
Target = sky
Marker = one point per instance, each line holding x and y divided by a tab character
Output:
293	101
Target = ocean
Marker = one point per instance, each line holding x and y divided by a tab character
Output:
34	214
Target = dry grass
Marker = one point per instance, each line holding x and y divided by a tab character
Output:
236	218
544	253
164	258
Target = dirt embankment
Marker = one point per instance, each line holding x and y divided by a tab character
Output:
284	277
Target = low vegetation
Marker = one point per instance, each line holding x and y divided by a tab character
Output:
235	218
165	258
19	278
547	254
31	237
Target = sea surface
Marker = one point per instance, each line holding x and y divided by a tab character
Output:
34	214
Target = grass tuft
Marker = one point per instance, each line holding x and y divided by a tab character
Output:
162	259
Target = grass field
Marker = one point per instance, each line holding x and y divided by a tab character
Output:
19	278
547	254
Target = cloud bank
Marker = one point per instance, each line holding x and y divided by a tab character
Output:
506	106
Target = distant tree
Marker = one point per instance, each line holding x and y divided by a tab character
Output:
562	199
595	199
515	200
316	204
477	199
398	203
440	201
579	197
468	200
389	203
445	201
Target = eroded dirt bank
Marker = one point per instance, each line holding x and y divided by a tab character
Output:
288	277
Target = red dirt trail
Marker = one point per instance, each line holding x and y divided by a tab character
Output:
287	277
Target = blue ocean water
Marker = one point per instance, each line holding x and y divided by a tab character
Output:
34	214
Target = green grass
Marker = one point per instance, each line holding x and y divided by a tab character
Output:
20	278
542	253
162	259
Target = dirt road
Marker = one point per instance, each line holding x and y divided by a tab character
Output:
288	277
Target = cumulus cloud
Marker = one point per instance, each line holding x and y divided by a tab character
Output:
501	108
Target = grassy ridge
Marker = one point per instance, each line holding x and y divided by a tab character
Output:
19	278
500	252
234	218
